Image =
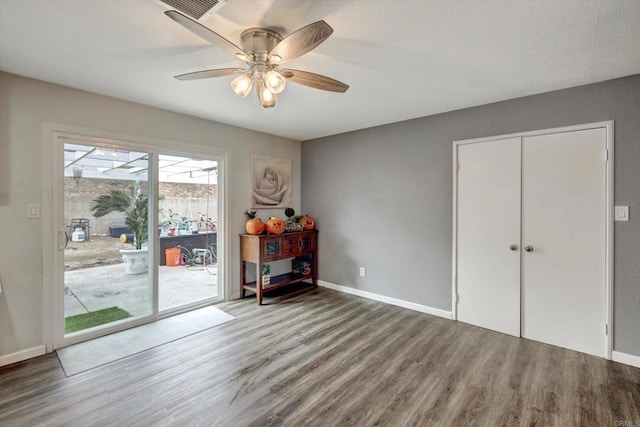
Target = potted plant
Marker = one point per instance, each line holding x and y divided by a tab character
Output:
135	205
266	274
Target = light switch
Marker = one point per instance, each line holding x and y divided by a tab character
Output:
33	211
622	213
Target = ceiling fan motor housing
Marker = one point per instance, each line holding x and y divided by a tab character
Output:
258	42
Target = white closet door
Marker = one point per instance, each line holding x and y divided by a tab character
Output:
488	223
563	220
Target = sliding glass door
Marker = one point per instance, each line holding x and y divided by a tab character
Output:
138	235
188	231
106	257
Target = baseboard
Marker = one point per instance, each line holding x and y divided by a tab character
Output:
627	359
21	355
388	300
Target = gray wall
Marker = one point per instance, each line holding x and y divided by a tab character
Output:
382	197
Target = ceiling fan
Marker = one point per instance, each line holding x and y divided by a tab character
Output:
264	51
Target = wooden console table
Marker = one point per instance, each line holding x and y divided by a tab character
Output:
273	247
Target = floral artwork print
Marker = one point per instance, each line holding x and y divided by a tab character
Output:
271	182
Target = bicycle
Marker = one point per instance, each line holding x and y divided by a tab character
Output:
175	221
199	258
214	255
206	223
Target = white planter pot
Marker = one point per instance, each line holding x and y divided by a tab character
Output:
135	260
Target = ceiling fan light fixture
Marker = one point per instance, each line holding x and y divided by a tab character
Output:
242	85
263	50
275	81
267	98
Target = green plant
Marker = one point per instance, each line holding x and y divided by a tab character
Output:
133	203
266	269
250	214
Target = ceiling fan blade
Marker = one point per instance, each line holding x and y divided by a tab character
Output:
207	74
207	34
314	80
300	42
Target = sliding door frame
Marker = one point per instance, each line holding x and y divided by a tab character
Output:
608	327
168	312
53	216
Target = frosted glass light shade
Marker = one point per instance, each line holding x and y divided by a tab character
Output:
242	85
267	98
275	81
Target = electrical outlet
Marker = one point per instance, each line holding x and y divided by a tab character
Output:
621	213
362	272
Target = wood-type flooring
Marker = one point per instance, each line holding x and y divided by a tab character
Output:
323	358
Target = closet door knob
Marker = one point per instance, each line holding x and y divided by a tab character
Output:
528	248
513	247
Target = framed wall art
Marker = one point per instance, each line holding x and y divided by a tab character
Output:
270	182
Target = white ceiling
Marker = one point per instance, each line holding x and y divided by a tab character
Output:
402	58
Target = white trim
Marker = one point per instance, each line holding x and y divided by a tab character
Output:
627	359
224	261
573	128
609	244
49	269
21	355
387	300
454	234
609	236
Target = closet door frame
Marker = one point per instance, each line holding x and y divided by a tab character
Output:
609	217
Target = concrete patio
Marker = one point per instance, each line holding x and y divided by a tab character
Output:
95	288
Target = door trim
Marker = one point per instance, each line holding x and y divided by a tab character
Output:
52	309
609	226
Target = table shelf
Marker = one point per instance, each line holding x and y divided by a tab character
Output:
279	281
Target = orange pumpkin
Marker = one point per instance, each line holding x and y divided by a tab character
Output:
308	222
255	226
275	225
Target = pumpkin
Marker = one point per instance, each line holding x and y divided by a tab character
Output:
308	222
255	226
275	225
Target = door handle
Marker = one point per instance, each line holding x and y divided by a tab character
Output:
63	240
513	247
528	248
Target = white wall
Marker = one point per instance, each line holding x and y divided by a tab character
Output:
26	104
